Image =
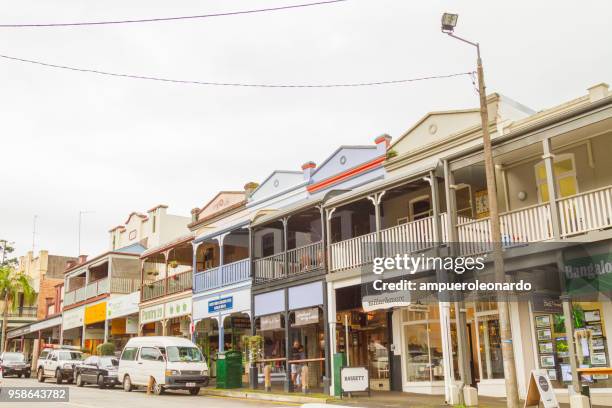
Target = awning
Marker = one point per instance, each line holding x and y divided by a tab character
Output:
45	324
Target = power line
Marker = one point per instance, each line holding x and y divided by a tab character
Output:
235	84
155	20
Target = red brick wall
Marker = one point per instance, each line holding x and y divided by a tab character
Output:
47	290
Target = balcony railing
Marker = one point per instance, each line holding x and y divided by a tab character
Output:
166	286
297	261
584	212
223	275
352	252
26	311
99	287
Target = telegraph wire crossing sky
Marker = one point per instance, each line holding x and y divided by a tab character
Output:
85	141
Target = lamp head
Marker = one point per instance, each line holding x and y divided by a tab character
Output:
449	21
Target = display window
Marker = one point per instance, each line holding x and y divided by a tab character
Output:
422	344
589	341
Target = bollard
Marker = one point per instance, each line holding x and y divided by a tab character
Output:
267	378
304	379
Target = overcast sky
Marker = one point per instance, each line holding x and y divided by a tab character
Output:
74	141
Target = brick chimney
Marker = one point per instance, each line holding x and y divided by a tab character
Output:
249	188
194	214
382	143
82	259
308	168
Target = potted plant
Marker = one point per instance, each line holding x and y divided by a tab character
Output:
173	264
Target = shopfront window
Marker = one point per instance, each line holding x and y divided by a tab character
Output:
422	344
589	339
489	346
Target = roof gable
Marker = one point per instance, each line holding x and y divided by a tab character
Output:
222	201
434	127
276	183
343	159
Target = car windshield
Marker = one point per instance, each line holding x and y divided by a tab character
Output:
13	357
109	362
70	355
184	354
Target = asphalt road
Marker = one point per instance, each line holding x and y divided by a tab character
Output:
92	397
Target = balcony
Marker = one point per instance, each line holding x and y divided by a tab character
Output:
100	287
406	238
24	312
578	214
167	286
223	275
294	262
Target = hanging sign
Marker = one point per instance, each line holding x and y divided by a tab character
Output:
217	305
306	316
540	388
271	322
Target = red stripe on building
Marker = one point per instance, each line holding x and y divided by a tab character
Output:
347	174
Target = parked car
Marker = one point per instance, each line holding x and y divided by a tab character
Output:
173	362
100	370
14	364
59	364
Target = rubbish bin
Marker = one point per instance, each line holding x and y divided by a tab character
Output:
229	369
339	362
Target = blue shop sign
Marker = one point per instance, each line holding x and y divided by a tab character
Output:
220	304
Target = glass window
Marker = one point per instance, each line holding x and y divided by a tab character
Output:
490	347
423	343
129	354
150	354
108	361
564	171
70	355
184	354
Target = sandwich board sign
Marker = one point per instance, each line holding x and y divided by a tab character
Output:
540	389
355	379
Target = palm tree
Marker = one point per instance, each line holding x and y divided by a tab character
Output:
12	283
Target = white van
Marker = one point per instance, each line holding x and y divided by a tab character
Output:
173	362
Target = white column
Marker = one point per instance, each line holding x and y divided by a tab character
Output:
447	349
331	318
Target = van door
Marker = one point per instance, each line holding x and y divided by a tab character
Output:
128	364
151	362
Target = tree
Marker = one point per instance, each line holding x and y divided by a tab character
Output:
6	249
12	283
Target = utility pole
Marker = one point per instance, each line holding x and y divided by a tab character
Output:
449	21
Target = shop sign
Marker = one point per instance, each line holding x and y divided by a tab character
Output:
152	314
131	325
217	305
271	322
95	313
306	316
355	379
122	305
547	304
589	274
540	388
178	308
73	318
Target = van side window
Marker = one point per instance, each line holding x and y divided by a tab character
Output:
129	353
150	354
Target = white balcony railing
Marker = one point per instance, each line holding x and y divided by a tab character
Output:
352	252
584	212
224	275
93	289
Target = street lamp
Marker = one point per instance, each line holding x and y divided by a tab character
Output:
449	22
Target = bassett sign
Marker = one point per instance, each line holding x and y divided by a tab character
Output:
355	379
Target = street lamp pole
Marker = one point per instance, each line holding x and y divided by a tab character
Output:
449	22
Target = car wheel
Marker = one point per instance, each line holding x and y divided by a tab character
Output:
58	376
28	374
101	384
194	391
40	375
79	381
158	389
127	384
19	375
